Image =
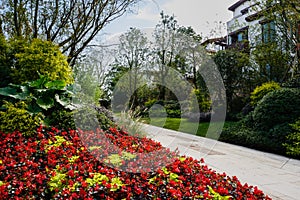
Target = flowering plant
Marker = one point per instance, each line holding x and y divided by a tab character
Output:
56	164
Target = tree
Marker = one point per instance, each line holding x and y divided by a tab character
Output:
133	49
232	65
272	62
286	15
70	24
190	41
165	48
92	71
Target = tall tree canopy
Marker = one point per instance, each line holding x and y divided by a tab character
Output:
70	24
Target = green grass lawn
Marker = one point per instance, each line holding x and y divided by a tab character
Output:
185	126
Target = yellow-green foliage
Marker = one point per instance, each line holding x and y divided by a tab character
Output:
58	181
16	117
260	91
204	102
117	159
38	56
293	144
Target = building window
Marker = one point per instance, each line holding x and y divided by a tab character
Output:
238	37
268	32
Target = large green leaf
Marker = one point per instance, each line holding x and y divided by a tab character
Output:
34	108
8	91
66	102
57	84
45	102
62	100
39	83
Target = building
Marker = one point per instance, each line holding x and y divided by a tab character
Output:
214	45
249	27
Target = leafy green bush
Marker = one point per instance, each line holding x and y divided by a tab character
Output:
16	117
243	135
293	140
277	107
203	102
260	91
90	117
43	94
61	119
38	56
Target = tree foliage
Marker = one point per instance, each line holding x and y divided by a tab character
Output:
22	60
286	15
71	24
273	62
165	48
232	65
133	50
260	91
39	57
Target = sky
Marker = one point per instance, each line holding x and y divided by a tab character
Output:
203	16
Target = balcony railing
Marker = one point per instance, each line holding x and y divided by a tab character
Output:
240	46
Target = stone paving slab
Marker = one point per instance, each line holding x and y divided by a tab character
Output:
277	176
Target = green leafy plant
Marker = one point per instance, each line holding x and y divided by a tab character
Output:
35	57
117	159
43	96
204	102
61	119
98	178
16	117
58	181
216	195
293	143
260	91
277	107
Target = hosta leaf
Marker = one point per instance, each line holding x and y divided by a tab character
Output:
34	108
39	83
8	91
45	103
62	100
57	84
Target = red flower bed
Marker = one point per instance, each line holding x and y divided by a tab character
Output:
57	164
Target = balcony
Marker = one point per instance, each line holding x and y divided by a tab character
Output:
242	46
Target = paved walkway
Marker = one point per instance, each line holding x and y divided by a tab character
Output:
277	176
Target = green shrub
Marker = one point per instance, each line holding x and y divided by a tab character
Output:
16	117
37	56
260	91
277	107
203	102
242	135
91	117
150	103
61	119
293	140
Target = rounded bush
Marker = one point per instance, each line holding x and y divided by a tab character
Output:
38	57
277	107
260	91
16	117
61	119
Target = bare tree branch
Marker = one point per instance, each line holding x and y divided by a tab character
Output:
71	24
